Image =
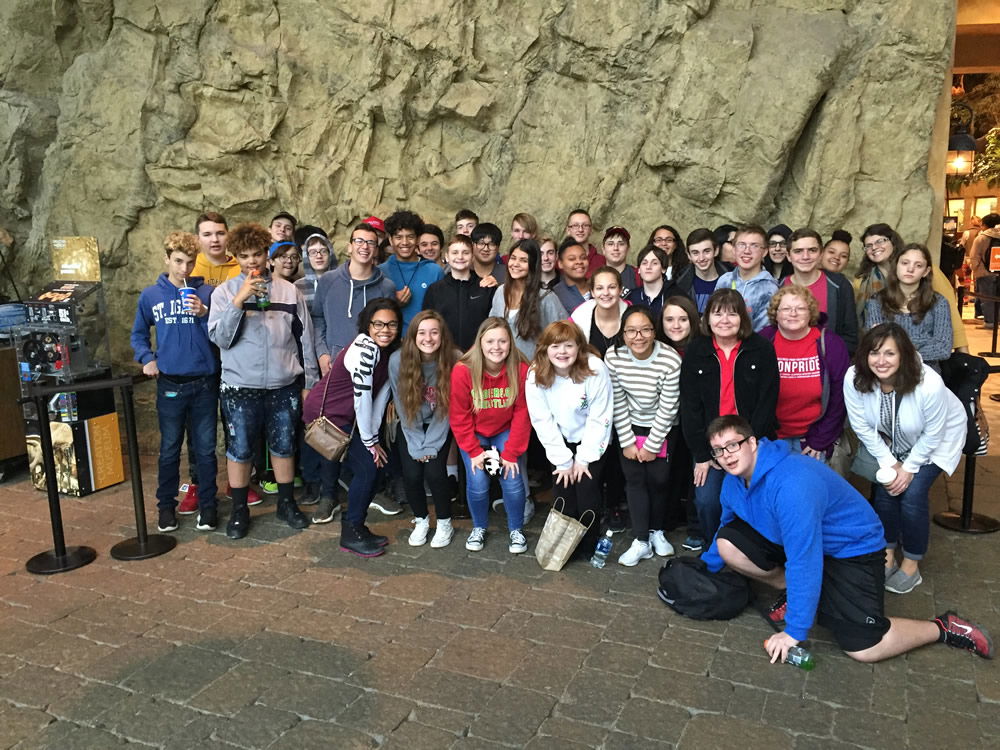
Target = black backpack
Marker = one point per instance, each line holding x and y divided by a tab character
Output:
687	587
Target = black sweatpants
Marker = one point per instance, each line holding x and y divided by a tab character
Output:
646	491
434	472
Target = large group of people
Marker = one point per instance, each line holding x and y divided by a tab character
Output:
653	394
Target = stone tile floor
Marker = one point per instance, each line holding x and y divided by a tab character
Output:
281	641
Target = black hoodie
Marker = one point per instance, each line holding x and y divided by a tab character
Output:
464	305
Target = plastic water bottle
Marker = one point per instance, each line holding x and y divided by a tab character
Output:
602	550
263	298
801	658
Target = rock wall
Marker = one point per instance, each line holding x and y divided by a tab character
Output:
123	120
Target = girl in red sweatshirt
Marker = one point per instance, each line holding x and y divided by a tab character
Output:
488	409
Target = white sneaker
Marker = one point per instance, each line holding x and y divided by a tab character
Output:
443	533
638	551
529	510
476	538
418	537
660	544
518	543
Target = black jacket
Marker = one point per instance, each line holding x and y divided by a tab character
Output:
841	312
756	386
685	282
464	305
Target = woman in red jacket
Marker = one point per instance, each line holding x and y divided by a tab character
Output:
488	409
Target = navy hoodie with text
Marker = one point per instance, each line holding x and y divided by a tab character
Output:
182	343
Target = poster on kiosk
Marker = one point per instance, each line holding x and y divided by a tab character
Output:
64	341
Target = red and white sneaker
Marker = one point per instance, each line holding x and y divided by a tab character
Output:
189	503
962	633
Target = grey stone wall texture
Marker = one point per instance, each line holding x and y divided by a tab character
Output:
125	119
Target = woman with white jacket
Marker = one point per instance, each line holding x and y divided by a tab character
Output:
914	428
569	399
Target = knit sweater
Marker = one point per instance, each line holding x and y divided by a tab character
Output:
932	336
646	393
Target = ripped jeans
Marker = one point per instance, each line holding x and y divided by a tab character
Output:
249	411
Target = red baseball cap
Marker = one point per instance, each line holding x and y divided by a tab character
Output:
376	222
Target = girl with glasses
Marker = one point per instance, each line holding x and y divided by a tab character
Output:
353	395
644	380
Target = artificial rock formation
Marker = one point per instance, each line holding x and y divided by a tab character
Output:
123	120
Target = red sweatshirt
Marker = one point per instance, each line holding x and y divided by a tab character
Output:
466	423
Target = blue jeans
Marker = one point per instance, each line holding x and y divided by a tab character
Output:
364	476
179	405
707	503
906	518
477	487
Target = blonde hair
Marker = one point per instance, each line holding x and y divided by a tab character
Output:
474	360
181	242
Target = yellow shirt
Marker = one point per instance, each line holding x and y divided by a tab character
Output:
214	274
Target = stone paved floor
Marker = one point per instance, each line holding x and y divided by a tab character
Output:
281	641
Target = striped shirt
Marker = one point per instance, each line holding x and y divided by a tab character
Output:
646	393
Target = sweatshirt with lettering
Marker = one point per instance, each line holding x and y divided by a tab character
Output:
493	418
182	344
356	389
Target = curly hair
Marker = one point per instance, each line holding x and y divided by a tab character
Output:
248	237
181	242
381	303
403	220
557	333
411	378
793	290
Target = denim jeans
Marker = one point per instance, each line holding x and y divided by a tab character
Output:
250	412
477	487
707	503
364	476
178	405
906	518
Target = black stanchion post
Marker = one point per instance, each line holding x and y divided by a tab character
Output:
60	559
996	325
967	521
142	546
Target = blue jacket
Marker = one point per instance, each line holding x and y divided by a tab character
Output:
811	511
756	291
182	344
417	275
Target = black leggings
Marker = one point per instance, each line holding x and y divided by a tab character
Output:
583	496
646	491
434	472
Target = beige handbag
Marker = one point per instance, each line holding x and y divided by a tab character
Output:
560	536
324	437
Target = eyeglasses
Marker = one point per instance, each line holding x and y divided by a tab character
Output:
793	310
360	242
877	242
664	241
751	246
633	332
379	325
777	243
290	258
319	252
578	226
486	245
732	447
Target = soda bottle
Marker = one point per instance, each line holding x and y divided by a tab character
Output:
801	658
601	551
263	298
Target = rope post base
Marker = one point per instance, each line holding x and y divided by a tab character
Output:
143	549
967	522
46	563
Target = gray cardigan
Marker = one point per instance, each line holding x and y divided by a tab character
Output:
426	435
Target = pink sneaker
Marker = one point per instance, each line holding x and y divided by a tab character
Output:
189	503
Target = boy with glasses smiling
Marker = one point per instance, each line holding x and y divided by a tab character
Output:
486	239
749	278
797	526
343	293
579	227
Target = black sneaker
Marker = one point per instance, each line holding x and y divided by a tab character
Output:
239	523
208	519
354	540
693	543
962	633
310	494
386	505
617	520
168	520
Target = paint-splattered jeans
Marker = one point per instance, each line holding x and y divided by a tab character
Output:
248	411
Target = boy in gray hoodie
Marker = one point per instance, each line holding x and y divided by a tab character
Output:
343	293
263	329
